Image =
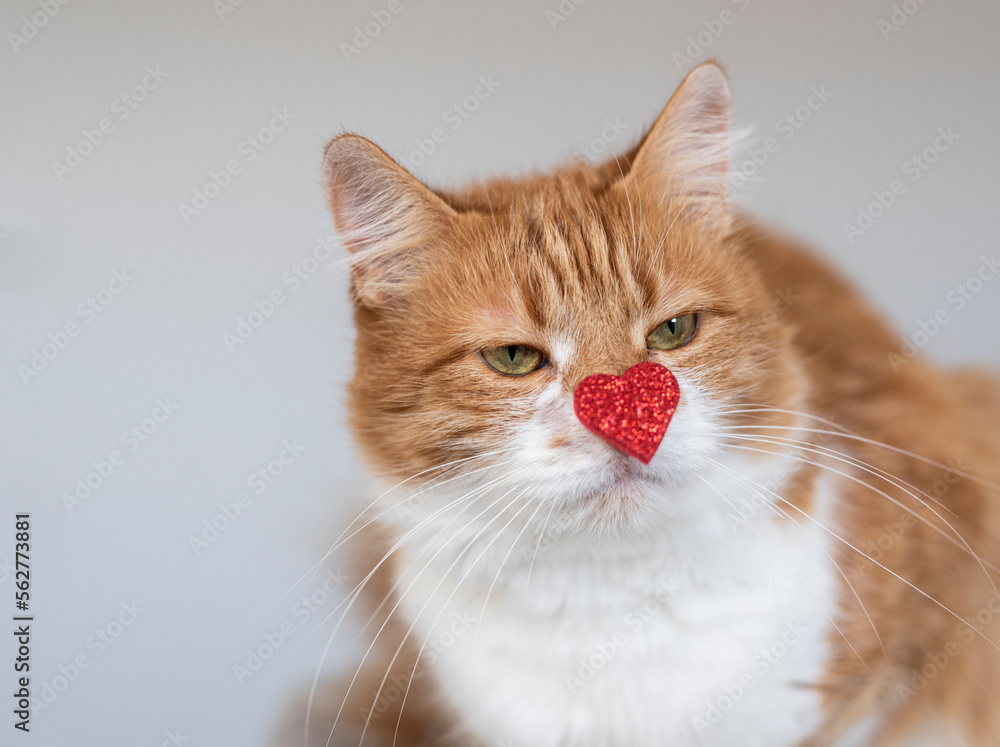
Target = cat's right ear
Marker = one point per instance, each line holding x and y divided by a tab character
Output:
383	215
686	154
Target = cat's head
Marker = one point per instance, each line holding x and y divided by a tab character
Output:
478	312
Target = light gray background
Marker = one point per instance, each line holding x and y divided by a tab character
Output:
171	670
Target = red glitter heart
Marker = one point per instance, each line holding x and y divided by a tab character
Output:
630	411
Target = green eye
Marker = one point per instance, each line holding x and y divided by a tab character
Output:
513	360
673	333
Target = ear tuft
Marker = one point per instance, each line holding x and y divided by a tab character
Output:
686	154
384	216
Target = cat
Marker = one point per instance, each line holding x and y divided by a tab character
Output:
810	556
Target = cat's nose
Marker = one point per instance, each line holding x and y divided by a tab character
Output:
631	411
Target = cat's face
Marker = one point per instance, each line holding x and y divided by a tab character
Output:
589	270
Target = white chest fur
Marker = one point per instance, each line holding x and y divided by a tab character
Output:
719	642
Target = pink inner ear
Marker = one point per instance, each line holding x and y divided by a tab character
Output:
631	411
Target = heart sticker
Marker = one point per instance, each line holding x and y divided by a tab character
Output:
630	411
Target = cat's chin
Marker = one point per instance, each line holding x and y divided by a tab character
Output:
623	483
620	492
626	495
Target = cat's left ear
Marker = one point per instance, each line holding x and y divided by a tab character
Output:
385	217
685	157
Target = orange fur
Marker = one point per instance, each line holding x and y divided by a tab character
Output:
601	256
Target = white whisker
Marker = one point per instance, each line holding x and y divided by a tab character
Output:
844	433
444	576
472	565
447	466
864	555
355	594
754	485
960	542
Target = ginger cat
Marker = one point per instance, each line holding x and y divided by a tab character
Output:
811	554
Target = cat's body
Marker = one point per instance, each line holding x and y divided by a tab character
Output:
810	556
